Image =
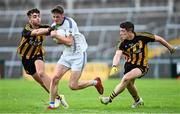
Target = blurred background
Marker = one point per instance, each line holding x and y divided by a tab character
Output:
99	21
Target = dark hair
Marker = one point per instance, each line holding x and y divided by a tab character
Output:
31	11
129	26
58	9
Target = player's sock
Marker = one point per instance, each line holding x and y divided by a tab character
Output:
94	82
112	96
52	104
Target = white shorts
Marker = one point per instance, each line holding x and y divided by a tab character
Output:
74	61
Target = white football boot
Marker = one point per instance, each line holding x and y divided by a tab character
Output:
138	103
61	101
105	100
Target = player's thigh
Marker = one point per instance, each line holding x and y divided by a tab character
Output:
40	65
134	73
75	76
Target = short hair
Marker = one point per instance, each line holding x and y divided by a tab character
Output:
31	11
58	9
129	26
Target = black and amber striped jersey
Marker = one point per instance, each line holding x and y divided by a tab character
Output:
31	46
136	50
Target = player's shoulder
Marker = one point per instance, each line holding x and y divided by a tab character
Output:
120	43
144	34
28	27
70	20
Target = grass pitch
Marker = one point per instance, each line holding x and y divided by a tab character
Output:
22	96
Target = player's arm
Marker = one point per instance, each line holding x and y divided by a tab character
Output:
164	43
43	30
40	31
117	57
62	40
115	63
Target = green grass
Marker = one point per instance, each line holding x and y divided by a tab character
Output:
22	96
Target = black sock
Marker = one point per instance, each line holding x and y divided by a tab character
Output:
112	96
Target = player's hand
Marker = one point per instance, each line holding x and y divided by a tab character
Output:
53	34
51	29
114	70
173	50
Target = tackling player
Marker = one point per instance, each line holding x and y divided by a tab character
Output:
31	48
74	56
133	45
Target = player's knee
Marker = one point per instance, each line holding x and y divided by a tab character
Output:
55	80
73	86
126	78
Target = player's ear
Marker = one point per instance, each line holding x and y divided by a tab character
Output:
30	20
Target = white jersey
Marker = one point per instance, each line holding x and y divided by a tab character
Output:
80	44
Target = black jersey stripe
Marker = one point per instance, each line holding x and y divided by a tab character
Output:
23	44
131	50
41	40
27	50
33	52
139	59
137	54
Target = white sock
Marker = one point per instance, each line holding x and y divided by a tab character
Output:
94	82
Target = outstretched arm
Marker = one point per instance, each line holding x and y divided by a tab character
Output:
40	31
117	57
164	43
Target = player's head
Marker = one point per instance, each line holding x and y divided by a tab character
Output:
126	30
58	14
34	16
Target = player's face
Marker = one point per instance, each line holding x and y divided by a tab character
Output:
58	18
124	33
35	19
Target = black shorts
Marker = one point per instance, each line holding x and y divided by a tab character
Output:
29	64
128	67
